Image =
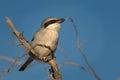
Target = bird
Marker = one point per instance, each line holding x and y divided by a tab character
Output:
45	41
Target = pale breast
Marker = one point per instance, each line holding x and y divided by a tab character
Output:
46	37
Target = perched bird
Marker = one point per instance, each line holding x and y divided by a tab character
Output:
45	41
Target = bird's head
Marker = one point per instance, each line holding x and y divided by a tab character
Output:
52	23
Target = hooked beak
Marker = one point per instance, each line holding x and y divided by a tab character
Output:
61	20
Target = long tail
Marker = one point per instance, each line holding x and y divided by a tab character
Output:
27	62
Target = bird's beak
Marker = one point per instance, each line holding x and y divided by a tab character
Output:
61	20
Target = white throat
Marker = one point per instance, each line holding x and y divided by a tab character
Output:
55	26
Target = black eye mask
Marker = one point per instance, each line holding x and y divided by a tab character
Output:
50	22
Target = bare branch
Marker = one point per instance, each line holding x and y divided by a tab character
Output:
14	62
81	51
9	59
19	35
71	62
77	65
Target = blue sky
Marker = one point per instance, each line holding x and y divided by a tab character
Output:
98	24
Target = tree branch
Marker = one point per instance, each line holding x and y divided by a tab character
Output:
25	43
19	35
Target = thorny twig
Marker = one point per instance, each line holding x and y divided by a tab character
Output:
19	35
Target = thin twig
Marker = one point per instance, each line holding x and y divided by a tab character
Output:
9	59
71	62
78	65
16	60
64	53
81	51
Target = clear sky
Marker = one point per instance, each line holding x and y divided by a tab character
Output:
98	24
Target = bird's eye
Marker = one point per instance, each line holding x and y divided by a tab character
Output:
50	22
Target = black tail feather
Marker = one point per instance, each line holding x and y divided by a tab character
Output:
27	62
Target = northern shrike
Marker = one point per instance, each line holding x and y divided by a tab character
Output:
45	41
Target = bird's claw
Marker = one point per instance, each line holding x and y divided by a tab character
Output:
44	59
